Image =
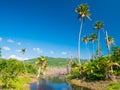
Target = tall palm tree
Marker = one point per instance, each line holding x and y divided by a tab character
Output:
98	26
82	11
23	51
93	37
86	40
110	41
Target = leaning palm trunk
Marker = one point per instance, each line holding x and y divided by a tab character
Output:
108	46
79	40
39	70
107	73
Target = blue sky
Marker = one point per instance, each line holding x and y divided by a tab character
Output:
50	27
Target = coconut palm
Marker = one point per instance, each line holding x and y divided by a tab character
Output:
98	26
83	11
42	65
23	51
93	37
86	40
110	41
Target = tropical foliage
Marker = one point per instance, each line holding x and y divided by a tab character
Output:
100	67
10	69
42	65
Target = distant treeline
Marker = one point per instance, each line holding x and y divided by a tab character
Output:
55	62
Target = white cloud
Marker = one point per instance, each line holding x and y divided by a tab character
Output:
18	51
1	39
19	43
38	50
63	53
6	48
10	41
51	52
17	57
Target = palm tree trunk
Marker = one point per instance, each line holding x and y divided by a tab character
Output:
79	40
92	50
98	43
39	70
108	46
88	52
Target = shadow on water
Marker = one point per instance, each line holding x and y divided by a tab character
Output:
54	83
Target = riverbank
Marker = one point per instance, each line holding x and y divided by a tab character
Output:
23	82
98	85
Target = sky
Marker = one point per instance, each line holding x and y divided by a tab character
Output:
51	27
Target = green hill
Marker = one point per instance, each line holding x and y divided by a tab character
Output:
54	62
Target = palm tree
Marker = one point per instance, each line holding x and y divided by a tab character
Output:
86	40
42	65
110	41
98	25
83	11
93	37
23	51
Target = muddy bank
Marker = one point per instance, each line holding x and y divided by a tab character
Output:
97	85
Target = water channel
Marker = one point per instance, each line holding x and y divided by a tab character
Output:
54	83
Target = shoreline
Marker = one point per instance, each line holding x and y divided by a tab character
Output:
95	85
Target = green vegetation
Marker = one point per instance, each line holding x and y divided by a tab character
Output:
52	62
42	65
114	86
100	68
14	74
11	69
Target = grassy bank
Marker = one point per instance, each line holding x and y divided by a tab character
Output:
22	83
101	85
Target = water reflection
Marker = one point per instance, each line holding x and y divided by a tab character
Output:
43	85
54	84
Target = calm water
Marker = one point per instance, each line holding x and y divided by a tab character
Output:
54	83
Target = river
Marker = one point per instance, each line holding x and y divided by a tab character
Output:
54	83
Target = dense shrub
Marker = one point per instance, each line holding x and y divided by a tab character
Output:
10	70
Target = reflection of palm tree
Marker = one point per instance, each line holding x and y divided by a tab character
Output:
93	37
23	51
83	11
43	85
98	25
